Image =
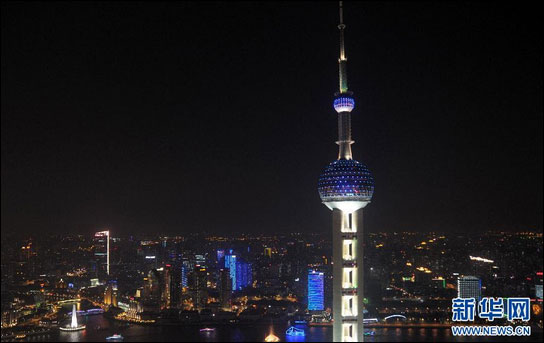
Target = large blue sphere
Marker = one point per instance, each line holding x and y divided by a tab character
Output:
346	180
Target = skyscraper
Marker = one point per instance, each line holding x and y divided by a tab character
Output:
230	263
186	268
244	275
220	256
469	287
101	244
200	287
226	289
166	292
152	290
241	272
175	285
315	290
110	293
171	286
346	187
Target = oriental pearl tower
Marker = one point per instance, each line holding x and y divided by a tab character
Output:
346	187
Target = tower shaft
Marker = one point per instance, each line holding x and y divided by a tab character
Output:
347	288
344	136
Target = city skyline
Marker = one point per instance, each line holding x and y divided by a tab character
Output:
166	172
142	119
180	284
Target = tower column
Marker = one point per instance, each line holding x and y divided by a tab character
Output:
347	258
358	219
337	220
344	135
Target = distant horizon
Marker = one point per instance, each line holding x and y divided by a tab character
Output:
144	235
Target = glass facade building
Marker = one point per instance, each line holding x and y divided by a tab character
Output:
241	272
101	242
230	263
244	275
469	287
315	290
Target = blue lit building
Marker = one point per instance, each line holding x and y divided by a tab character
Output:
316	281
220	256
346	186
241	272
230	263
186	268
244	275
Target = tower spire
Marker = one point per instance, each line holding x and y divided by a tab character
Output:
343	102
342	60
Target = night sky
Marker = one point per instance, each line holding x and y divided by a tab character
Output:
217	117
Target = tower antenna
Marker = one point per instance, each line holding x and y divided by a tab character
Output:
342	60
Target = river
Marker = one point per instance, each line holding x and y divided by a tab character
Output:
244	333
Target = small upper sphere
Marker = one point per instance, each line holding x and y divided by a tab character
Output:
346	180
344	103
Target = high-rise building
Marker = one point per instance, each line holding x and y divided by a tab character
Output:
220	256
538	285
152	286
151	292
225	288
469	287
186	268
110	293
244	275
166	292
171	286
26	251
315	290
241	272
200	287
346	187
101	243
175	286
200	260
230	263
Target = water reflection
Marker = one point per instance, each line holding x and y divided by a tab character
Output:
243	333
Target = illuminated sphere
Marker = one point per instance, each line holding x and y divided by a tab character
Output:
343	103
346	184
